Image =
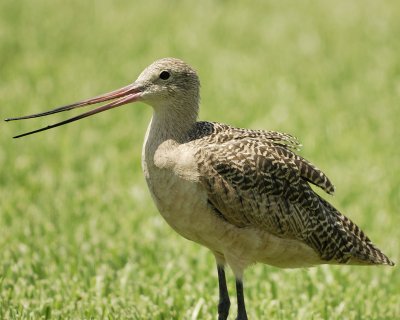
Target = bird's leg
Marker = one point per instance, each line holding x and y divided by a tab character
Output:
224	302
242	315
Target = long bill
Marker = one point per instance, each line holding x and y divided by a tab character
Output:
130	93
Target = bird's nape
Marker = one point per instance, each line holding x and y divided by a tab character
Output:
122	96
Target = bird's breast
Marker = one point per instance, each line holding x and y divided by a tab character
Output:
172	178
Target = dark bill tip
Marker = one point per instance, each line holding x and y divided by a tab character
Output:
124	95
132	97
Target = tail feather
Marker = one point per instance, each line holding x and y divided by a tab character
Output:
358	248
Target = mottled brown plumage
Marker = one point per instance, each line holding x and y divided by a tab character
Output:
254	178
244	194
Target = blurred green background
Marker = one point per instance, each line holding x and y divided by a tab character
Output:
79	235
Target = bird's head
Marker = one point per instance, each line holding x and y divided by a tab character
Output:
168	82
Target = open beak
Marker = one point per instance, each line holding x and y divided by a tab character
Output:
130	93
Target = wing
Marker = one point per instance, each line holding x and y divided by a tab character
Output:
263	184
282	145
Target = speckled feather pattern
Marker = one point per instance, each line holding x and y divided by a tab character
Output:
255	179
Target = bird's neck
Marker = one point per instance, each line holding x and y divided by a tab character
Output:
168	124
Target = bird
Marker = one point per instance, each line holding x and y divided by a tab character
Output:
244	194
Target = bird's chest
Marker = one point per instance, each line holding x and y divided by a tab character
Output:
170	174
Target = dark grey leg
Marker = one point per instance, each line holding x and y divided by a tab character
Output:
224	302
242	315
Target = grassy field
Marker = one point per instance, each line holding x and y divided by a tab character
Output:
79	235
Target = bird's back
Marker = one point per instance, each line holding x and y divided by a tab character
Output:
254	179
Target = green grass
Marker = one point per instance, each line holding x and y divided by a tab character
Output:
79	235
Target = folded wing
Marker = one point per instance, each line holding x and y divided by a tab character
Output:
253	181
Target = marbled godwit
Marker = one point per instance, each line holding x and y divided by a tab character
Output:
244	194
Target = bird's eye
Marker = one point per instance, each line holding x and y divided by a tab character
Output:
164	75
